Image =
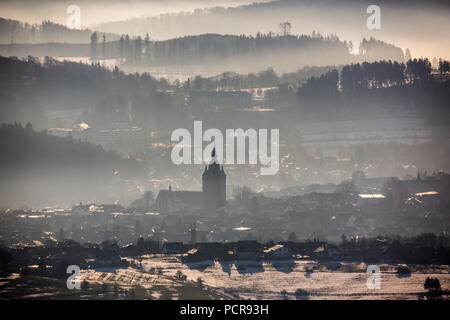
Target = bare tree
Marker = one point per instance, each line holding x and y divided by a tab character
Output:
285	28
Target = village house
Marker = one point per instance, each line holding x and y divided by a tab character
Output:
247	249
220	98
429	198
327	251
371	199
277	251
421	186
206	251
98	259
174	248
330	202
170	201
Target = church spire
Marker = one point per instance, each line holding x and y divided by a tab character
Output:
213	157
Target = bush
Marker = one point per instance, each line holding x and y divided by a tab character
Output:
301	292
432	284
402	270
179	275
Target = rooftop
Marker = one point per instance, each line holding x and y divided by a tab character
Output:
371	196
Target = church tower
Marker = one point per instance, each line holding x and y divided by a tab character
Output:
214	183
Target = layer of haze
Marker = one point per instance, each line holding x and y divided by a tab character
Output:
136	100
421	26
98	11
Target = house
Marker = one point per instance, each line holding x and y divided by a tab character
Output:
277	251
192	255
206	251
370	185
327	251
371	199
93	208
174	248
110	208
247	249
422	186
108	259
169	201
81	208
220	98
319	252
293	247
96	258
323	201
211	249
429	198
333	251
130	251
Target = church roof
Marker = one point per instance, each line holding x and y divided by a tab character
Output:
194	198
214	165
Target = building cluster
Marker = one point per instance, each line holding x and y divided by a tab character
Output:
358	208
128	139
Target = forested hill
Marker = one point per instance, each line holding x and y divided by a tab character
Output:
13	31
219	53
45	168
29	89
215	53
204	50
346	18
262	16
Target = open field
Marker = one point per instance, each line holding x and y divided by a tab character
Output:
106	284
159	277
332	280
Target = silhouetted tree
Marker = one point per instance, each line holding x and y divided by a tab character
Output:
94	46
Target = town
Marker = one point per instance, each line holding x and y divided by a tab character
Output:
363	219
224	150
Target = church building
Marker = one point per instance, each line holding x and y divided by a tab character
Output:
211	198
214	183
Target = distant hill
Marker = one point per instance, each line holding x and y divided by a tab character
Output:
402	22
13	32
41	169
261	16
29	89
212	54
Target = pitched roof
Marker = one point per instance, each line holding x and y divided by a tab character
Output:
187	197
274	248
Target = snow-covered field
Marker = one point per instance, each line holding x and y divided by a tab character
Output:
267	279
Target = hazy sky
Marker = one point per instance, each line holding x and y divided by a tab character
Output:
421	26
98	11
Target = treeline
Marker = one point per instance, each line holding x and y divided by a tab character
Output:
426	248
357	77
372	50
42	169
214	53
262	79
237	51
413	87
211	53
327	79
13	31
368	75
383	86
264	16
102	95
197	48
